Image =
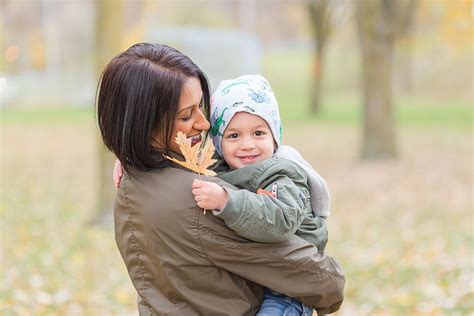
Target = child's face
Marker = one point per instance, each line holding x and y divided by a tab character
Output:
247	140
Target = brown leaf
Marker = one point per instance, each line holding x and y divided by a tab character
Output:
198	157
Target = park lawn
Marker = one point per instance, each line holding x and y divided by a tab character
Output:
401	228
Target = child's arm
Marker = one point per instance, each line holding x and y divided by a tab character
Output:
209	195
262	218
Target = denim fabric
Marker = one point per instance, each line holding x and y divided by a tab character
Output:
277	304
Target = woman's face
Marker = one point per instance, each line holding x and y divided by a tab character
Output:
190	119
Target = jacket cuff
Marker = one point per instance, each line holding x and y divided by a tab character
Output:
232	209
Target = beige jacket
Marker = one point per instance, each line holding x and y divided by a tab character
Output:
182	262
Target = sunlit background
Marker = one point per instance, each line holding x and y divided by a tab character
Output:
376	95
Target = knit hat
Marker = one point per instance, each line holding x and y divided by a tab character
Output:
251	94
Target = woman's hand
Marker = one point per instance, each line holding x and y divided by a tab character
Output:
209	195
117	173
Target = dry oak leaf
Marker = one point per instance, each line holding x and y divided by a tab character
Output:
198	157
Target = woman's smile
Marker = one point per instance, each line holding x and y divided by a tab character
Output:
195	139
190	118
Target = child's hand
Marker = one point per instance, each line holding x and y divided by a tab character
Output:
209	195
117	173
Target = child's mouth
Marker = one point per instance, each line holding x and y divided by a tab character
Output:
248	159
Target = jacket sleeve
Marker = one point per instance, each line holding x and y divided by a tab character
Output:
318	189
264	218
293	267
314	230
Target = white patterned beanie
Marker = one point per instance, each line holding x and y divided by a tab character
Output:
251	94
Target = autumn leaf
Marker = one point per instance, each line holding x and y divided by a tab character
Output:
198	157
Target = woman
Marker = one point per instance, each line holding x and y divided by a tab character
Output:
180	261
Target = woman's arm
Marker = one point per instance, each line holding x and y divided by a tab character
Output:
294	267
314	230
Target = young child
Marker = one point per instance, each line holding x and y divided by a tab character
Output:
274	202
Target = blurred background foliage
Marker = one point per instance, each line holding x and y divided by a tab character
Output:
349	75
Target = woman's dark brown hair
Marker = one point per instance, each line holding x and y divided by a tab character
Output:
138	96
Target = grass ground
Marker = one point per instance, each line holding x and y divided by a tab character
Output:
401	229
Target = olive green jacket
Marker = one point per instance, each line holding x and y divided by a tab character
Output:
183	262
267	218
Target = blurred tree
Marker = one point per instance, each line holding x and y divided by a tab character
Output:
320	15
404	33
379	23
37	50
109	21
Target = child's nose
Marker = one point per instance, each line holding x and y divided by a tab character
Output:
247	144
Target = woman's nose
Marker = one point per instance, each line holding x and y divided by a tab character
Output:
201	124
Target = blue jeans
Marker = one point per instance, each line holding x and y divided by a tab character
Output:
277	304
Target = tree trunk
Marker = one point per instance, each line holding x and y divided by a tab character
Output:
405	34
109	21
406	65
377	42
316	82
320	15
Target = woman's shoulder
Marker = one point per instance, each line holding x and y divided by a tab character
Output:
163	177
170	185
161	196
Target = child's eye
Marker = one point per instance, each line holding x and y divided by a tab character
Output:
233	135
259	133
